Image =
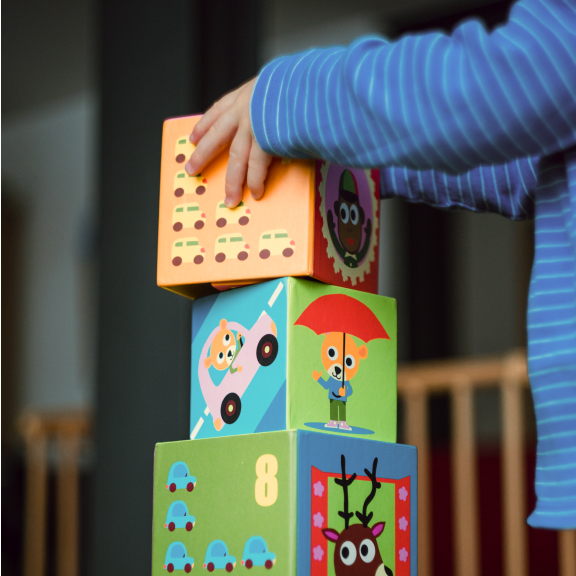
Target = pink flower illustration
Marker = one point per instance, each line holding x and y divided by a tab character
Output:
403	494
318	489
403	523
318	520
403	553
318	553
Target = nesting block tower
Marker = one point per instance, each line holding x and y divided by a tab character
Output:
292	464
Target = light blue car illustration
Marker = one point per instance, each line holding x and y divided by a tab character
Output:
256	553
217	557
178	517
177	558
179	477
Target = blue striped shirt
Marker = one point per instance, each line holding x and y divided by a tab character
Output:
478	120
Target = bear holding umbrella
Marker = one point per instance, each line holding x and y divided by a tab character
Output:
339	317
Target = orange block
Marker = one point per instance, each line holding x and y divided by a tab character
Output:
316	219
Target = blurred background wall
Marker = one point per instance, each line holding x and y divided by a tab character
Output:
49	145
86	85
49	198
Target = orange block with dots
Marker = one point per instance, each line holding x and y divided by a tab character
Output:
316	219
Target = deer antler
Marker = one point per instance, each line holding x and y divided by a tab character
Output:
345	483
365	518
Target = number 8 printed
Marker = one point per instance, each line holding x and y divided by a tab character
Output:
266	488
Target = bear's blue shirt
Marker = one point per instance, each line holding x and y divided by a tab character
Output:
333	386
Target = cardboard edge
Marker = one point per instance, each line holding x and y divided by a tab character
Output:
293	530
159	279
311	216
191	291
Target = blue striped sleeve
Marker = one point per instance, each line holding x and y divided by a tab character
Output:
428	101
507	189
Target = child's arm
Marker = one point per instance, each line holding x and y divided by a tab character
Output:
428	101
507	189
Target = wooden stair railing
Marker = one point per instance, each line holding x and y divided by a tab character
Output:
39	431
460	378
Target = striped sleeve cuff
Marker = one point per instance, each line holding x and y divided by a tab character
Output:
285	117
265	105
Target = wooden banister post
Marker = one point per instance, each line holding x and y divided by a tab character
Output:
417	435
35	505
567	552
513	489
467	558
67	503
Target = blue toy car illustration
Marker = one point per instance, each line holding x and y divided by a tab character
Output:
178	517
179	477
177	558
256	553
217	557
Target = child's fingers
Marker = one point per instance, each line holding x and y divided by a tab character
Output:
237	166
258	164
219	135
211	115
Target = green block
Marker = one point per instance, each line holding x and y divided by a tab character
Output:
271	357
274	503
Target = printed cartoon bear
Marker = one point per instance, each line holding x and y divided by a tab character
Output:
341	359
224	349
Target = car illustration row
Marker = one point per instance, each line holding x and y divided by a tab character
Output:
233	247
190	215
217	557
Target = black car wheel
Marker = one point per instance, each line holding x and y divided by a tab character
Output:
267	350
231	407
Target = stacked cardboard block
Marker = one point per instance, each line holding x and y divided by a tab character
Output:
292	463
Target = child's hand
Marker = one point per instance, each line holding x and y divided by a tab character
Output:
342	391
316	375
228	121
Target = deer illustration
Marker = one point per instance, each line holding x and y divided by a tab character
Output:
356	552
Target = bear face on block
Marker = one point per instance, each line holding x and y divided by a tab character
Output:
316	219
293	353
291	502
